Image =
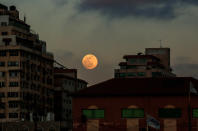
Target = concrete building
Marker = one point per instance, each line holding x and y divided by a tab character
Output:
122	104
154	63
26	71
66	83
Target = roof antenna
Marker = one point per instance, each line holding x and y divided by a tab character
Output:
160	43
24	18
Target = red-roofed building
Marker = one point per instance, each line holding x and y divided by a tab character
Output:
122	104
155	63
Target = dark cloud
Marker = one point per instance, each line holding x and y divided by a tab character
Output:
162	9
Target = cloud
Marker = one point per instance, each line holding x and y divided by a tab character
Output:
160	9
187	70
71	32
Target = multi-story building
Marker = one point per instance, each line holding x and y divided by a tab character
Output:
124	104
154	63
66	83
26	70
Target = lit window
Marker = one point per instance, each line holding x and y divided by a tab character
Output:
132	74
195	113
169	113
93	113
141	73
133	113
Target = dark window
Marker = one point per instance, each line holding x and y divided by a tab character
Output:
13	63
133	113
2	53
2	94
169	113
2	74
13	104
13	115
13	73
2	63
2	115
12	94
7	41
93	113
2	84
14	84
4	33
4	24
14	53
156	74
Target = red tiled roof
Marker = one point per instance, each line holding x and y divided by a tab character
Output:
140	56
139	87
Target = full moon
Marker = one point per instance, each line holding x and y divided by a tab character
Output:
90	61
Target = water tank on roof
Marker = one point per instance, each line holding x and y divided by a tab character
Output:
12	8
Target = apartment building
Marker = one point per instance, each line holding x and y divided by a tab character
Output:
65	84
26	71
154	63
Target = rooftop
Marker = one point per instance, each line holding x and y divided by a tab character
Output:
175	86
140	56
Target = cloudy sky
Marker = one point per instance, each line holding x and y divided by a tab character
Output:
112	28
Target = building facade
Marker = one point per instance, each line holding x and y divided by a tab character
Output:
154	63
26	71
66	83
123	105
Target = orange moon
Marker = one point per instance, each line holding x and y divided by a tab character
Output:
90	61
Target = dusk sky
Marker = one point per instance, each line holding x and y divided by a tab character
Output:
112	28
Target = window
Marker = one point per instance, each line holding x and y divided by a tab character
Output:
7	41
2	53
12	94
13	84
2	115
2	63
13	73
133	113
2	74
93	113
122	75
13	115
142	61
132	61
14	53
13	104
132	74
141	73
4	33
4	24
2	94
156	74
13	63
195	113
2	84
169	113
